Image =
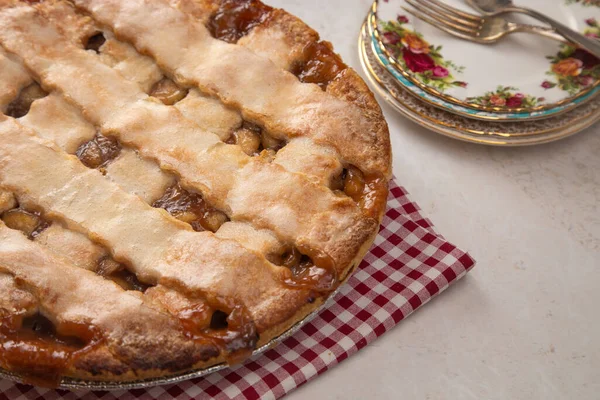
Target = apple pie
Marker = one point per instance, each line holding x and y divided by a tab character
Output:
181	181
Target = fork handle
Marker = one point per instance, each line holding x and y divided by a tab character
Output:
577	38
540	30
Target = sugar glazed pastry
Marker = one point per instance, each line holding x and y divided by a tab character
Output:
181	181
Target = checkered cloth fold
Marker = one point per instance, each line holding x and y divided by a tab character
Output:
409	264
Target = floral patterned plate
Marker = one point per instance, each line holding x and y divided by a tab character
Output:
520	78
497	133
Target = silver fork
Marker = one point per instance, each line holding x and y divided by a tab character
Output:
476	28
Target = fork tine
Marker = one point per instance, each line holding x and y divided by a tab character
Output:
436	24
456	11
451	13
441	19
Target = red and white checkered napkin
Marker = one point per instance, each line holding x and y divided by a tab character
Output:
408	265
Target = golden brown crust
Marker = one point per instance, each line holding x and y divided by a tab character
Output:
143	348
347	86
281	29
350	87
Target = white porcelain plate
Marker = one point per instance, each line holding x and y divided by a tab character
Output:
522	77
497	133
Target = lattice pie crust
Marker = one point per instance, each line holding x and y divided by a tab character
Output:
180	182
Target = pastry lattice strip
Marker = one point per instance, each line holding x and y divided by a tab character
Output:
13	79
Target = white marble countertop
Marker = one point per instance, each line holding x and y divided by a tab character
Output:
525	323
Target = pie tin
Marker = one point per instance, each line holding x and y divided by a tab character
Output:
71	383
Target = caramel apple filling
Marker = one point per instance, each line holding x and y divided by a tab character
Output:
21	105
116	272
168	92
369	192
320	66
30	223
191	208
269	142
247	139
41	351
235	18
221	322
374	196
99	151
351	181
235	332
254	140
316	273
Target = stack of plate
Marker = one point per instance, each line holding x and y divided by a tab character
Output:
523	90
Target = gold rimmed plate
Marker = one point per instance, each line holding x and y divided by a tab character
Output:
467	129
523	77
